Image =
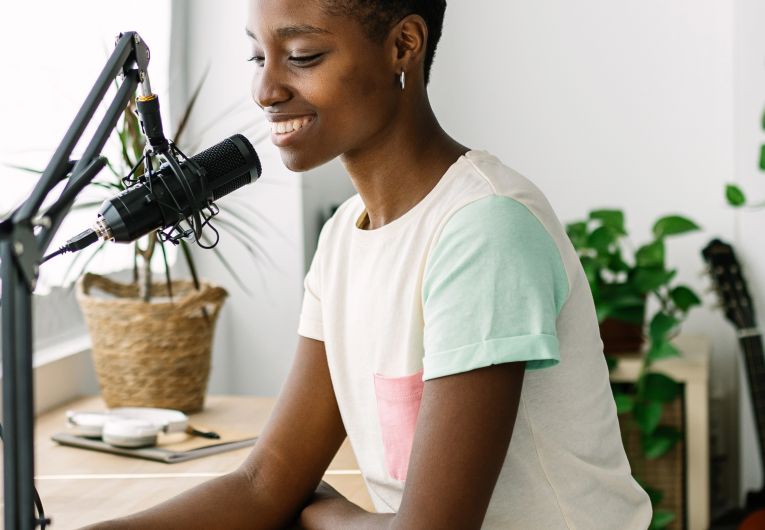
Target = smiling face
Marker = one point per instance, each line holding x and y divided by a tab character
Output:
325	86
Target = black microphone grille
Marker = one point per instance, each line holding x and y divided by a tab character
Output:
229	165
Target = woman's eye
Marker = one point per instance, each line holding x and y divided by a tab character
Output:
257	59
305	60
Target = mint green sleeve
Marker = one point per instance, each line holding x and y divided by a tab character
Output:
493	288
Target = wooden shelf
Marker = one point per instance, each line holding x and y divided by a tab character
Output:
692	370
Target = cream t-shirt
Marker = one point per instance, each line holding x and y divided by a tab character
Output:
479	272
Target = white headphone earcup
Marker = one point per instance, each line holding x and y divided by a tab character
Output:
130	433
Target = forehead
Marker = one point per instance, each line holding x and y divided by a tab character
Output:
283	19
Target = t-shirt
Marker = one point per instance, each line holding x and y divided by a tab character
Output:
479	272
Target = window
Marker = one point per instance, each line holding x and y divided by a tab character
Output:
52	53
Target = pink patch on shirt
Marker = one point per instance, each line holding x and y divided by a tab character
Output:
398	403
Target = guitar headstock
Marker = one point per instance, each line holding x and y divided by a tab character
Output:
729	283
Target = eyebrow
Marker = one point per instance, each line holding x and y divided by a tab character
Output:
294	30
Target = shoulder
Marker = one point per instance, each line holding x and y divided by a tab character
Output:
506	208
495	234
485	197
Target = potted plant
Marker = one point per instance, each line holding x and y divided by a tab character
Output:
624	283
152	340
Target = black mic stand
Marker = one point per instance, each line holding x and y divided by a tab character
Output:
24	237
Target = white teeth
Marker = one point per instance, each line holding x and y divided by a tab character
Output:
283	127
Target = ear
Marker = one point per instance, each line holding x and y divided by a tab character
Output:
408	39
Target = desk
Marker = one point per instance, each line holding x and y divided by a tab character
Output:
79	487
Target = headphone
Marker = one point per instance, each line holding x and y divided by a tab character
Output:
130	427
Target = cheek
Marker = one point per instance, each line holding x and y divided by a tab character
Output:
365	83
354	101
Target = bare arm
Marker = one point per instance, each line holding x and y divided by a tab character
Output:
461	440
281	473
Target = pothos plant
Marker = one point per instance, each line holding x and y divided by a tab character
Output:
626	281
130	143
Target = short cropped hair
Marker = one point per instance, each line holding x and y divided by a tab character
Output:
377	17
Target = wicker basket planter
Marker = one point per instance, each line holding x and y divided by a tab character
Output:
154	354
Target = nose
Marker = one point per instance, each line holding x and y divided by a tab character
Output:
268	87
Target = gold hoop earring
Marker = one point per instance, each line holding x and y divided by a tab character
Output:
402	79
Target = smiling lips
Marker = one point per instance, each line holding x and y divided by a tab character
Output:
288	126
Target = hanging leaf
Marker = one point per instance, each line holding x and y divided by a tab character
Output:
601	238
616	263
647	280
577	233
661	350
624	403
631	314
647	415
613	219
590	267
684	297
734	195
659	387
661	519
661	325
659	442
651	255
672	225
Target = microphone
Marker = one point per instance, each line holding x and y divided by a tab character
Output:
164	198
161	200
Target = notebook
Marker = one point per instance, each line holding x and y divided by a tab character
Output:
170	448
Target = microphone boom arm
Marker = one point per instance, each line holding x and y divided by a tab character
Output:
24	237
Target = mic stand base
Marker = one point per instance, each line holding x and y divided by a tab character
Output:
18	402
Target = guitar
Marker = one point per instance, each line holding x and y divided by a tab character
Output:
739	310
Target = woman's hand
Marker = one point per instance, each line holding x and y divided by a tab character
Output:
327	509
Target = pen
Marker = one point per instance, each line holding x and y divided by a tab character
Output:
204	434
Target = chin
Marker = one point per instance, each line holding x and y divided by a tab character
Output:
299	161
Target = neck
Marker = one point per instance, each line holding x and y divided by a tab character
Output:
398	168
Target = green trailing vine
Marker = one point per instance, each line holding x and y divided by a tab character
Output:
734	195
623	281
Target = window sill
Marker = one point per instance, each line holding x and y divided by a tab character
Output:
62	372
61	349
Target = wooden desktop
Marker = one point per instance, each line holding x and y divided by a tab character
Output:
79	487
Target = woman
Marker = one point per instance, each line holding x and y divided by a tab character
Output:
447	326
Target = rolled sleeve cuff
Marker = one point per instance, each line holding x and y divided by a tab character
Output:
311	329
538	351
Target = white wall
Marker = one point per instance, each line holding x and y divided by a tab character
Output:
607	104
